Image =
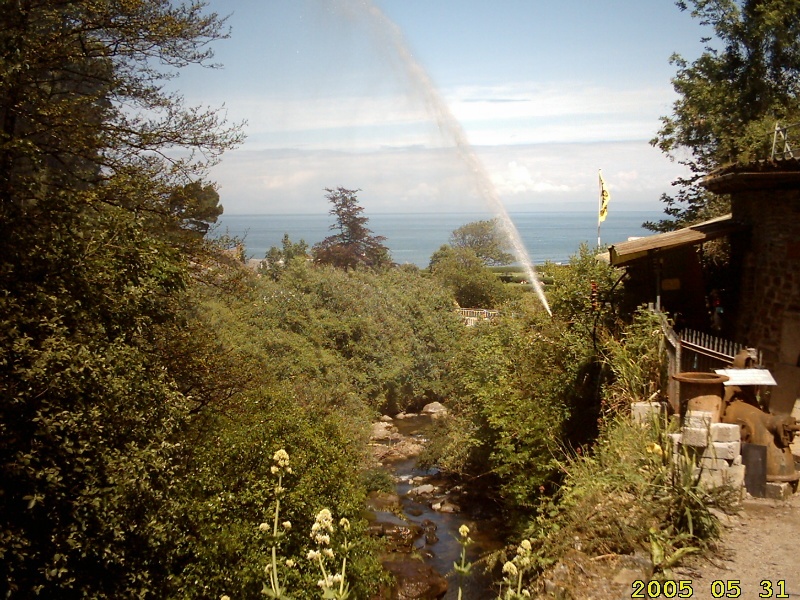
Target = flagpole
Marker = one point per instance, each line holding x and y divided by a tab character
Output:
602	210
599	202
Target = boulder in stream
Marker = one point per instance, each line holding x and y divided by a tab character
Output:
383	502
435	409
414	580
422	490
384	431
445	506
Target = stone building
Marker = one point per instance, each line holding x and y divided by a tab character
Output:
765	199
762	290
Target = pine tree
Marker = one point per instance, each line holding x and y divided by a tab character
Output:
354	244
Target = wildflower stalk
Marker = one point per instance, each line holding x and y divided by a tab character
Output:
322	532
464	567
513	571
281	459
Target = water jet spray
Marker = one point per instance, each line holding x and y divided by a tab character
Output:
448	125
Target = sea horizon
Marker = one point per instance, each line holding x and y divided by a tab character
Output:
548	236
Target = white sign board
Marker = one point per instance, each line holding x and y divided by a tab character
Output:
747	376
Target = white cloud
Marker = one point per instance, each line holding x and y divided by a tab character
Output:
518	179
526	177
522	113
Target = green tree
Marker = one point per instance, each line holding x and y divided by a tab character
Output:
92	151
195	207
731	97
486	239
517	382
353	245
278	259
466	275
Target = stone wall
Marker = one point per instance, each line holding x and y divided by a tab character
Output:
770	263
768	257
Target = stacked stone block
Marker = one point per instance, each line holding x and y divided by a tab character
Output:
713	450
643	413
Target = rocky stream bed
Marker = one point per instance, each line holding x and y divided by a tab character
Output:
419	521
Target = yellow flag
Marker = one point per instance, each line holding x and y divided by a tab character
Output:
604	198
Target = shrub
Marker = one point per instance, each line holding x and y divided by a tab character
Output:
518	380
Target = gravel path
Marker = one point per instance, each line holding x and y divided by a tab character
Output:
760	544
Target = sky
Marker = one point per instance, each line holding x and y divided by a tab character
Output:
433	105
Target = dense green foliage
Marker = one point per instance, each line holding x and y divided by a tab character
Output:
93	266
322	350
486	239
731	97
623	495
528	384
516	382
464	273
628	494
277	260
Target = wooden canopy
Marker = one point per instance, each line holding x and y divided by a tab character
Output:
626	252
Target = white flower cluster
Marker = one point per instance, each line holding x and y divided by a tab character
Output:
330	581
281	458
322	528
333	584
515	568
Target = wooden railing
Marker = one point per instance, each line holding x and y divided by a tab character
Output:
703	351
699	352
470	316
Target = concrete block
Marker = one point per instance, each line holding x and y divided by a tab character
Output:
734	476
698	419
725	432
695	436
731	476
727	450
714	464
778	490
712	479
643	413
737	461
675	442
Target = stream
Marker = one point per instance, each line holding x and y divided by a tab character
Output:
430	502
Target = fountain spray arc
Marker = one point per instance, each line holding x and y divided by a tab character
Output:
449	126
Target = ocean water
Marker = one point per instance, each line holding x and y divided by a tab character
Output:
413	237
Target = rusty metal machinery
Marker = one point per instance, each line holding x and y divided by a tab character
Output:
758	426
739	404
701	391
776	432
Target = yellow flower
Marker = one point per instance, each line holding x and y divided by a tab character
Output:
463	531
